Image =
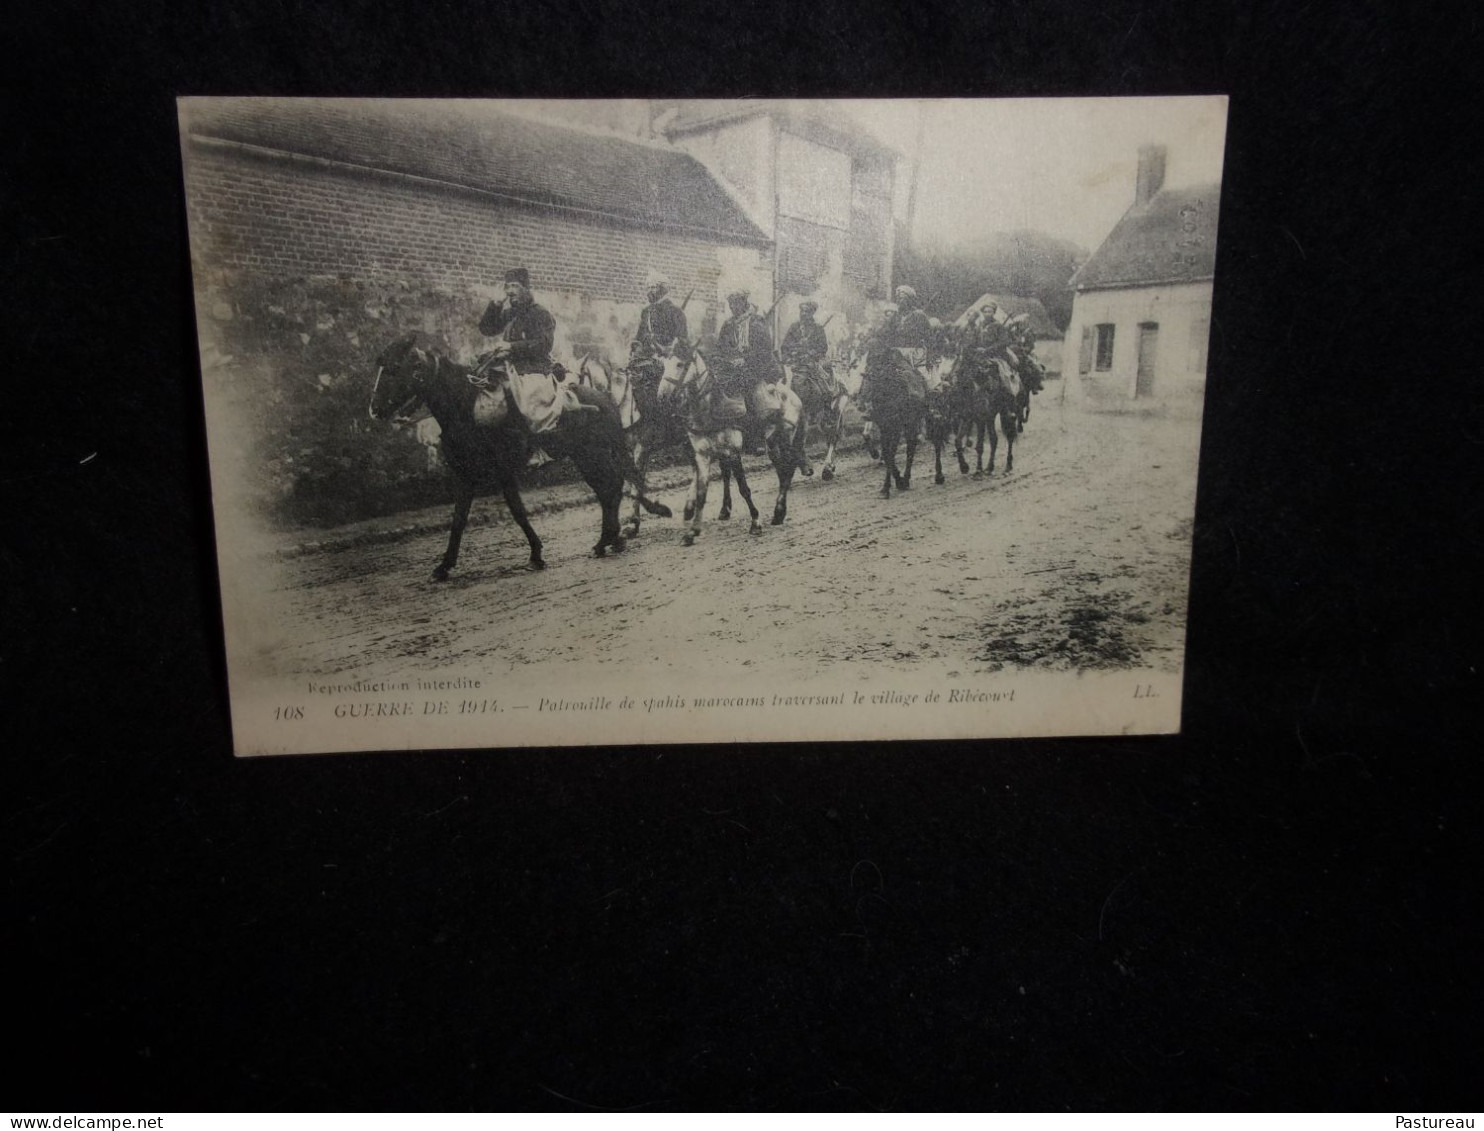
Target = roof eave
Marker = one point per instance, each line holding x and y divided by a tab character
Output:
756	238
1127	283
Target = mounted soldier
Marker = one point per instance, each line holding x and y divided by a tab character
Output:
525	332
744	365
805	343
661	325
1023	345
804	351
904	340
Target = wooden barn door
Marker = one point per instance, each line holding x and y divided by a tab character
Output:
1148	347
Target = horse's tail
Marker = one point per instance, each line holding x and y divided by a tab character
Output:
635	478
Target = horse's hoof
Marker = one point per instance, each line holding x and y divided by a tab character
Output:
807	471
778	518
690	511
440	574
938	479
757	527
978	475
884	493
662	511
618	545
723	516
630	532
904	484
600	550
688	539
827	474
538	563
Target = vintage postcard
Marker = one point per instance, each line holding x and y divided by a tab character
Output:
665	421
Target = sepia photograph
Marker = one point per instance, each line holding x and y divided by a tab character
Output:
590	422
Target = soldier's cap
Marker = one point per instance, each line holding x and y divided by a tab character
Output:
808	307
740	294
655	279
989	306
935	323
518	275
904	291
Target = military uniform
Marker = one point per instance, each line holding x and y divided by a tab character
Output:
660	324
744	354
805	344
528	331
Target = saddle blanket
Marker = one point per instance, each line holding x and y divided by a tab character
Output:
718	411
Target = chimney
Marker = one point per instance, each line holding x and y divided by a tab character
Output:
1151	174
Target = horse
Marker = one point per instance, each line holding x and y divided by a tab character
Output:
854	380
1032	379
898	405
493	452
823	398
983	393
715	433
649	425
940	424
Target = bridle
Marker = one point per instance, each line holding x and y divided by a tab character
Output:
418	381
683	375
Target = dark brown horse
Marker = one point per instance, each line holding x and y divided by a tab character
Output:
940	424
657	425
898	405
985	391
491	454
823	398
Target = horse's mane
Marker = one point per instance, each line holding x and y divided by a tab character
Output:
398	350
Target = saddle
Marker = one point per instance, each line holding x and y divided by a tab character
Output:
539	398
816	385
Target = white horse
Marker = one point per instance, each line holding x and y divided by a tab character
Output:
715	426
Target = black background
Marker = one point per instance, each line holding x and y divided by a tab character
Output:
1269	910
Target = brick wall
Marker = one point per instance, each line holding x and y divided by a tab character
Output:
276	218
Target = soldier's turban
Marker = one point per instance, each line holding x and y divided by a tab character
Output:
741	294
808	307
905	291
518	275
655	279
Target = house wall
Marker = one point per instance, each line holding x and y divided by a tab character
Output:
833	233
834	240
1049	353
276	218
740	155
1183	313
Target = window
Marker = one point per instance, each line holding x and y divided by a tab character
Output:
1200	332
1104	346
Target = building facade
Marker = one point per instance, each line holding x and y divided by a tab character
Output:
1141	313
813	180
403	194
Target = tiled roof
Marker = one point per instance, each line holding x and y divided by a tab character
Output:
1172	239
517	158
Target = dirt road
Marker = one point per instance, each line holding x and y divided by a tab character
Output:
1077	559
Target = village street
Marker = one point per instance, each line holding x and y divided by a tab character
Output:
1077	559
